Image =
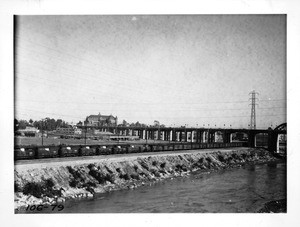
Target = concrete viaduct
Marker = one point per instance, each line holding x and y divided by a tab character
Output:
196	135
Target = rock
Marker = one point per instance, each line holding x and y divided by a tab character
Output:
90	195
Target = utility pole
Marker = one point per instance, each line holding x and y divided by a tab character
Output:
146	134
85	135
42	133
253	105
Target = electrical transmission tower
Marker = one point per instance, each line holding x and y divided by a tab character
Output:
253	104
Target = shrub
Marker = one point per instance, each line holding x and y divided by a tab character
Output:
135	167
124	176
178	166
221	158
17	187
229	159
144	165
157	174
91	184
234	156
162	171
49	183
73	183
195	165
163	165
90	166
201	160
108	170
34	189
90	189
75	173
118	170
208	159
135	176
110	178
100	177
154	163
184	168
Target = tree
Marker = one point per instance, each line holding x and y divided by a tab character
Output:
16	125
107	121
58	123
138	124
23	124
30	121
156	123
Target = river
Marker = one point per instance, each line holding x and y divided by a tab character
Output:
237	190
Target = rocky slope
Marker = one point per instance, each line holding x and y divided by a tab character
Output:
54	184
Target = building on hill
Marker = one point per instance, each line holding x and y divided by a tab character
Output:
28	131
101	120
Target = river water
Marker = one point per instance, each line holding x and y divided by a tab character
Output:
244	189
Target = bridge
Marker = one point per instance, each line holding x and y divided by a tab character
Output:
196	135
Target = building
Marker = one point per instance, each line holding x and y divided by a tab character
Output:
101	120
28	131
77	131
65	130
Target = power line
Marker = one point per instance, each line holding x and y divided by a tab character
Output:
78	117
138	107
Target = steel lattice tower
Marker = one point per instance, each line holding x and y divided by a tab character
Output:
253	114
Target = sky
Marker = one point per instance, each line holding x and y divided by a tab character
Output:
194	70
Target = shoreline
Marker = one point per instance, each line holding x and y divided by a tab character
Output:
275	206
55	185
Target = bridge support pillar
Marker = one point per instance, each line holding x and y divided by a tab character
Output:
226	137
174	135
185	136
251	139
272	141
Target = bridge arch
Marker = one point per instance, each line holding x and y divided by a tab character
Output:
239	137
281	127
261	139
219	136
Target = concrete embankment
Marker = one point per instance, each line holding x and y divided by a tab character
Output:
48	184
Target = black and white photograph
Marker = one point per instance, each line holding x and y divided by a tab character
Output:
150	113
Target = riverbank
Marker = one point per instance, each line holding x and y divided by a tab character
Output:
277	206
54	184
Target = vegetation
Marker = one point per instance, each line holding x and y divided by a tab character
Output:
221	158
135	176
48	124
124	176
99	176
163	165
44	188
208	159
34	189
135	167
154	163
144	165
